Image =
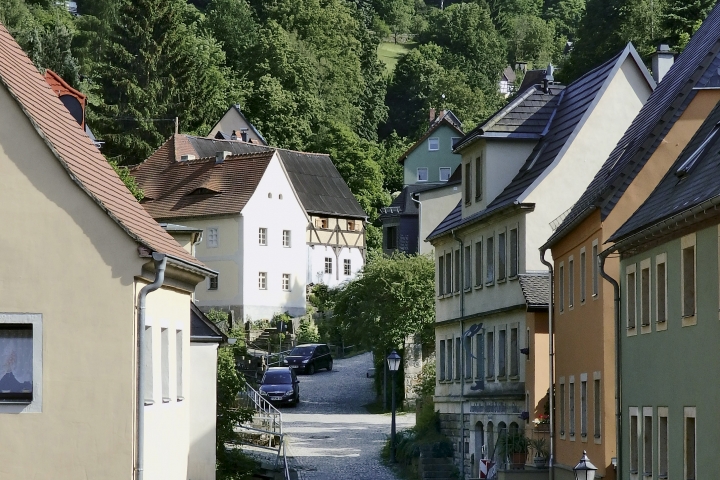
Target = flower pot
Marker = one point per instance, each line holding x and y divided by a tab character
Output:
518	460
539	462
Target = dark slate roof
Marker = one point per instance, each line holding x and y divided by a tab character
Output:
202	329
403	203
696	67
678	192
569	108
525	116
532	77
536	289
509	74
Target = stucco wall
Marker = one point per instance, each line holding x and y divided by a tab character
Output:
232	120
436	205
433	160
316	259
203	403
65	259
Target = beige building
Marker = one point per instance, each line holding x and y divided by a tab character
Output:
95	380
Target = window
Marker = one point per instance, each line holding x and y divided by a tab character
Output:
630	300
453	142
262	280
449	375
478	178
662	442
458	358
347	267
571	405
467	344
321	222
269	194
595	267
562	408
513	253
514	351
433	144
422	174
286	282
688	276
479	356
213	283
262	236
490	354
645	293
468	184
690	460
286	238
328	264
456	283
634	453
571	282
490	260
280	196
448	273
351	225
467	268
561	286
444	174
501	257
441	275
661	289
148	366
597	405
441	370
16	354
212	238
502	353
391	238
583	405
165	363
647	441
582	276
179	364
478	264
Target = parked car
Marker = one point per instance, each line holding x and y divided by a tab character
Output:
280	386
309	358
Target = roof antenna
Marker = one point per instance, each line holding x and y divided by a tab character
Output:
548	79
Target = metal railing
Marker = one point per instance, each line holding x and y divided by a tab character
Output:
511	449
266	416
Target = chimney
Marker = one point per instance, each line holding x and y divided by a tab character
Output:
243	134
662	60
548	79
221	156
432	115
233	135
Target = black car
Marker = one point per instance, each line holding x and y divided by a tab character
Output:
310	358
280	386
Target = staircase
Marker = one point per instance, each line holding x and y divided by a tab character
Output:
265	428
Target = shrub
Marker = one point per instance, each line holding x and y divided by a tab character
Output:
308	331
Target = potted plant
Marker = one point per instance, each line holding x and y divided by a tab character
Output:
539	446
514	447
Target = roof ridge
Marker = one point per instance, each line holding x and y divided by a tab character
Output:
503	112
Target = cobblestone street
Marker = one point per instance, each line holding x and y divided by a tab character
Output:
331	435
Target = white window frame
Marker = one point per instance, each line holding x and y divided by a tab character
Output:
262	280
583	275
427	174
286	282
286	241
689	412
595	268
440	173
571	282
631	328
663	413
347	267
433	142
262	237
36	404
328	266
687	242
212	238
661	323
645	323
634	445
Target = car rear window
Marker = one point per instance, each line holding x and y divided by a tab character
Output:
277	378
302	351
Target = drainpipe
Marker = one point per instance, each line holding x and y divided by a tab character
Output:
462	356
160	262
419	204
618	361
551	392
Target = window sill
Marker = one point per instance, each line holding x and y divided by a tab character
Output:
468	290
180	399
478	287
502	378
490	378
514	378
149	402
166	399
15	402
501	280
689	320
512	278
489	284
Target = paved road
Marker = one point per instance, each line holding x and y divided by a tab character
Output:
331	435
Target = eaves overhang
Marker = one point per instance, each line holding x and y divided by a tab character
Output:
482	217
562	231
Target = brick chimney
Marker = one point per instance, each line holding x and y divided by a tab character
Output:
432	115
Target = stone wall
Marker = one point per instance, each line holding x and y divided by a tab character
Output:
451	427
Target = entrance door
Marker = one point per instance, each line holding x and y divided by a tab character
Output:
479	448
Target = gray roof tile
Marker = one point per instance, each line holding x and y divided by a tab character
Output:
535	288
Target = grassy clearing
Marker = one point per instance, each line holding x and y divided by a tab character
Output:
390	52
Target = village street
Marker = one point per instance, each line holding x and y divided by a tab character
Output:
331	435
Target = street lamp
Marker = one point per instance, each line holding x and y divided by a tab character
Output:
393	364
584	470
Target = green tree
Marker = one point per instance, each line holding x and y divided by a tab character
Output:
683	17
308	331
128	180
566	15
533	41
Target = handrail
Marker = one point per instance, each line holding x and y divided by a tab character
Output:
264	408
285	461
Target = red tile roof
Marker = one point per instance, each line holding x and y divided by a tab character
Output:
77	153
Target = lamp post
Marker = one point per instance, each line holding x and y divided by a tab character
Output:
584	470
393	361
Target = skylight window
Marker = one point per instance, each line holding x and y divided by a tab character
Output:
692	159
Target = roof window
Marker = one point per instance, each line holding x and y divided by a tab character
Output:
692	159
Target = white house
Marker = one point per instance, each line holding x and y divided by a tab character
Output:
522	169
235	123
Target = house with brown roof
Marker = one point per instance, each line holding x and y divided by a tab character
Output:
94	316
521	169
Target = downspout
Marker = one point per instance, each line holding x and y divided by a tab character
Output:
160	261
462	356
618	362
551	392
419	203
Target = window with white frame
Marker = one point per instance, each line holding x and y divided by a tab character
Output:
645	293
449	374
688	275
513	252
490	354
502	353
286	282
583	272
286	238
441	369
433	144
490	260
458	358
647	434
631	310
262	280
467	267
148	361
561	286
213	283
634	436
514	352
595	268
663	442
690	441
179	364
262	236
478	264
502	257
448	273
597	406
422	174
444	174
347	267
583	405
16	355
328	265
562	407
212	237
456	265
571	282
165	363
441	275
571	406
661	288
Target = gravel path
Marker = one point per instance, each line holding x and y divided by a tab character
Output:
331	435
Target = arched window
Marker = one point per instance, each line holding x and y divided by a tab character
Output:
514	428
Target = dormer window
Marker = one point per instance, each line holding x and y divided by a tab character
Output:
203	191
422	174
692	159
433	144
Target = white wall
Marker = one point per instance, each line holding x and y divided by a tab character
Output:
203	403
436	205
275	215
316	268
232	120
